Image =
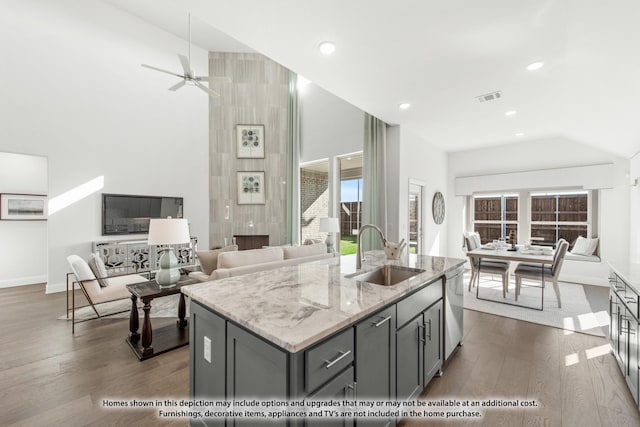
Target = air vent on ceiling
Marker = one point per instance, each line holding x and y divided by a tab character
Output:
490	96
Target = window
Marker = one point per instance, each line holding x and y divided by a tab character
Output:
495	216
350	201
559	215
314	198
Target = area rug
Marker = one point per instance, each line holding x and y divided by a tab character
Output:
160	307
575	315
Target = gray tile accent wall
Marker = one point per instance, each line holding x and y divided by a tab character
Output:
258	94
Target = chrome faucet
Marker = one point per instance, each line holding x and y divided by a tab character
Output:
359	253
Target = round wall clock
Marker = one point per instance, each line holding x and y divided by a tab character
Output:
438	207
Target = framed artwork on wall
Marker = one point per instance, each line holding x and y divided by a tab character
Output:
251	188
23	207
250	141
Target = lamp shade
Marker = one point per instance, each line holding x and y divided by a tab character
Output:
329	225
168	231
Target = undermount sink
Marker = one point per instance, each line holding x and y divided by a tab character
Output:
387	275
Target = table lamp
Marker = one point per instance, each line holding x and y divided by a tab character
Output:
329	225
164	232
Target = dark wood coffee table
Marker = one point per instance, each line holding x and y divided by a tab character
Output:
165	338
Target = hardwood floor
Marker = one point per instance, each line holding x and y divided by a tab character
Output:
573	377
49	377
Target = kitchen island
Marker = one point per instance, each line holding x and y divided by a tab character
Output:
314	331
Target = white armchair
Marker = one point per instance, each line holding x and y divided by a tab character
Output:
97	290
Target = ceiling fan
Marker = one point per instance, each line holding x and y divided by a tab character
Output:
189	77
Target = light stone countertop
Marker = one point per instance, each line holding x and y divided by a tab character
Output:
294	307
629	272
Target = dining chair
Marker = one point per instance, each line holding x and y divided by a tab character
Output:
472	241
536	271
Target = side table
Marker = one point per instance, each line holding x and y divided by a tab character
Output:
163	339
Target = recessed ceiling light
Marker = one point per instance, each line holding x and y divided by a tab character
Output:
404	106
520	134
327	48
535	66
511	113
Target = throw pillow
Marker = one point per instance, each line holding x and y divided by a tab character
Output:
81	268
99	270
209	259
584	246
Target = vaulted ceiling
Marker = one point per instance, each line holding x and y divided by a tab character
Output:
440	55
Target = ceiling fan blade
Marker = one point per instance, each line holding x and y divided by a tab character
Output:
185	65
211	92
162	71
216	79
178	85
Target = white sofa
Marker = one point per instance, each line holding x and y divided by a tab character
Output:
236	263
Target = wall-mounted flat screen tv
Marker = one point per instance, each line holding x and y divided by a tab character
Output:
130	214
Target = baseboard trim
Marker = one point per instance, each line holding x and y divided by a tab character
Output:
584	280
23	281
56	287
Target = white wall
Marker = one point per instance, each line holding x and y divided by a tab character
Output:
411	157
76	93
634	209
329	126
613	215
23	244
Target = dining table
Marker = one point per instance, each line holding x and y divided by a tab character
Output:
515	253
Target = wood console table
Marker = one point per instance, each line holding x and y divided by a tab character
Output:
251	241
166	338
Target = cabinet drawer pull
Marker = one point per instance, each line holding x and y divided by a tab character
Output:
343	354
421	336
382	321
354	391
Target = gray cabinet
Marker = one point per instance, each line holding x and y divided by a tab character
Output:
432	341
376	360
419	352
254	368
623	330
327	359
614	314
419	340
339	388
409	359
207	336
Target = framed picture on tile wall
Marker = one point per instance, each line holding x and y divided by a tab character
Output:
250	141
251	189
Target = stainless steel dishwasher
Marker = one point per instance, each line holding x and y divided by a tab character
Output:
453	310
